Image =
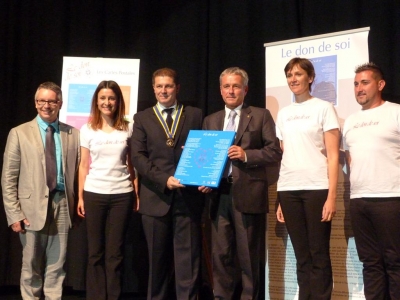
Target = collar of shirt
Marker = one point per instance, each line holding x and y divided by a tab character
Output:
163	113
43	125
228	110
162	107
226	119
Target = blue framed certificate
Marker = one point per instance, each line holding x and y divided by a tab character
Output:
204	157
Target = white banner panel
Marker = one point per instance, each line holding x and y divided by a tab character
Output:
81	76
334	57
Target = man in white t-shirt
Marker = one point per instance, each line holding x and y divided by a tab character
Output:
372	143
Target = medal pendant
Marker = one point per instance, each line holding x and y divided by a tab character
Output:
170	142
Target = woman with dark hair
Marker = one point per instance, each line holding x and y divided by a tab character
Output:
309	133
107	189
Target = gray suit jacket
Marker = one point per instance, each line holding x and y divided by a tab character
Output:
256	136
23	180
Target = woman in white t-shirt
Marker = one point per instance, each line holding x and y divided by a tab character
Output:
309	133
107	186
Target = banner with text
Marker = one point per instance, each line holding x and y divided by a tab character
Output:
334	57
81	76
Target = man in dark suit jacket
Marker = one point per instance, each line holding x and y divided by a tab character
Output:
171	212
238	207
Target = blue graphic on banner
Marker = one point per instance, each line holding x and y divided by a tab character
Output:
80	97
325	82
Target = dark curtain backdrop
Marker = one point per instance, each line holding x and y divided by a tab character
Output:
198	38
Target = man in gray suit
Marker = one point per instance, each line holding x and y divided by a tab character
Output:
238	206
39	192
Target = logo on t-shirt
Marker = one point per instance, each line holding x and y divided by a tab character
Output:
365	124
295	117
109	142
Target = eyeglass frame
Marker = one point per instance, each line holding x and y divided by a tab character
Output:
49	102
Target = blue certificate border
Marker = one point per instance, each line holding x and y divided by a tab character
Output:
204	157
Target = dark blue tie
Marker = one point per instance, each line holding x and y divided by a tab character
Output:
169	119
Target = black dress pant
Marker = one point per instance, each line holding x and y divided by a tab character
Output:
106	221
376	227
235	233
174	241
302	210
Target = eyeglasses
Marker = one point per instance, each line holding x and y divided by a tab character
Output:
49	102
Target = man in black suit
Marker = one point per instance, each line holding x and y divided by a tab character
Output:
238	207
171	212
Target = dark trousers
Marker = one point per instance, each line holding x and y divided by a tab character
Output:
238	233
376	227
310	238
173	240
106	221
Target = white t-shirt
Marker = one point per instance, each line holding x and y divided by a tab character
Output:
373	138
108	172
301	127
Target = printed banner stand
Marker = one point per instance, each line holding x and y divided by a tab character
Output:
334	56
81	76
